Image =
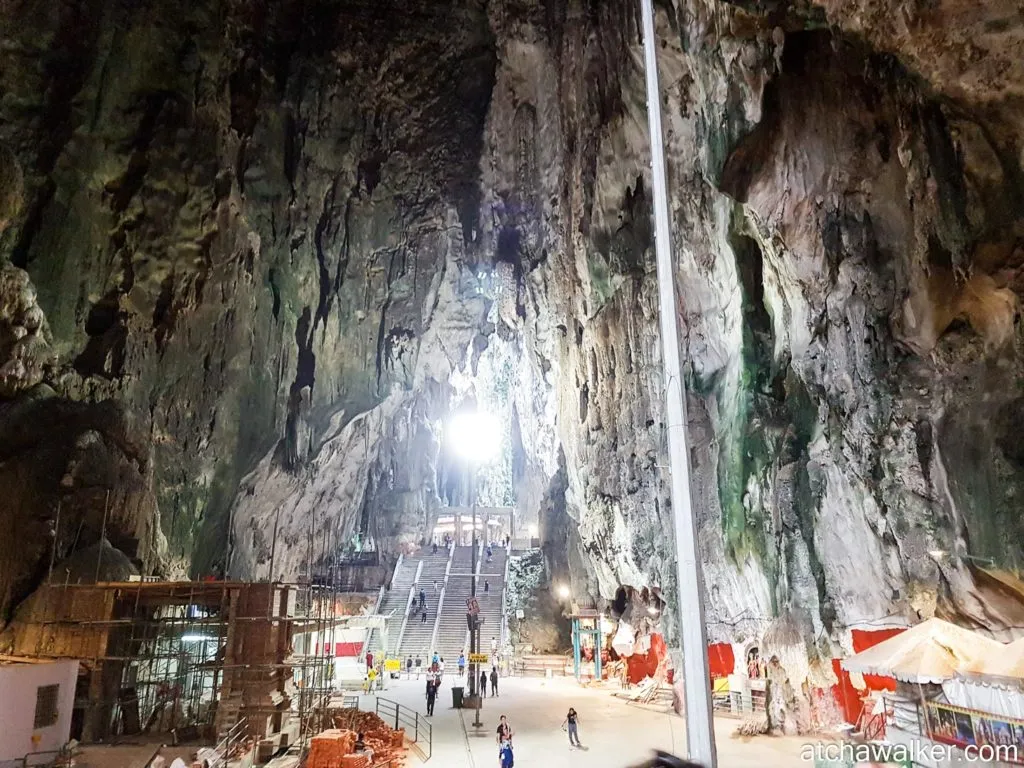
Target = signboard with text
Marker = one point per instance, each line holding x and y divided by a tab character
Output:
478	658
393	665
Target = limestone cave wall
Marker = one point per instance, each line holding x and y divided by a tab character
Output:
255	252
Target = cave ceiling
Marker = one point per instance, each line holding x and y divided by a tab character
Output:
253	253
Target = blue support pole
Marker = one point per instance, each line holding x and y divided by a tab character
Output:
597	652
576	647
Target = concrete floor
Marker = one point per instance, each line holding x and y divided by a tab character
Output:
616	734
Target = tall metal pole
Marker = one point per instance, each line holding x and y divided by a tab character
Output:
474	633
700	735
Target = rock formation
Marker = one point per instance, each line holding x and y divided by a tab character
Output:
255	252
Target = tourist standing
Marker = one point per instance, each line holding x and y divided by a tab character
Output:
483	684
569	724
431	695
505	732
494	681
462	664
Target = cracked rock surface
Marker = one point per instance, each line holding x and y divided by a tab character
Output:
256	252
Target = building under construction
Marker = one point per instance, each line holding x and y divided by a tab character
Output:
191	659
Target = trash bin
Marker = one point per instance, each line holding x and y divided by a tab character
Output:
457	696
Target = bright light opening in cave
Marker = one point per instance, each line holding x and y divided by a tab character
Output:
474	435
563	591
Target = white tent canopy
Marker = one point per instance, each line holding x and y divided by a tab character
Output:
931	652
991	684
1008	663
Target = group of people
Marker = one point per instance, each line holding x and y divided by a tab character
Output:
421	606
494	681
506	757
446	543
373	673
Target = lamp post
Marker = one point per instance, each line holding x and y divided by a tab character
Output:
474	435
700	734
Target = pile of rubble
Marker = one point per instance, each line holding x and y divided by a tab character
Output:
335	748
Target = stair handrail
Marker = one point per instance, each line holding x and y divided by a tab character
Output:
408	607
398	567
440	602
504	598
369	632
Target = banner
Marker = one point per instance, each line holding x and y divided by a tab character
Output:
967	728
478	658
393	665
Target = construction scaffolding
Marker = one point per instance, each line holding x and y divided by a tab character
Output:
192	659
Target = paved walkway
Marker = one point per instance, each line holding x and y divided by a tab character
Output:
616	734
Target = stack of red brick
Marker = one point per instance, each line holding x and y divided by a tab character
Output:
327	749
334	748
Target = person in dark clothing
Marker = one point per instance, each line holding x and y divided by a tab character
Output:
487	586
423	598
570	724
431	695
505	732
408	666
423	617
494	681
483	683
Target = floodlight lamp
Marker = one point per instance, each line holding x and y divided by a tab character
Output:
474	435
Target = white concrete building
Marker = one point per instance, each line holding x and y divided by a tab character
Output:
36	700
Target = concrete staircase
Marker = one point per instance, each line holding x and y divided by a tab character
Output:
453	634
452	637
491	602
394	604
416	640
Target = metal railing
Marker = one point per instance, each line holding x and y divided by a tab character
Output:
368	636
440	600
504	598
408	609
417	729
38	759
235	734
738	702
